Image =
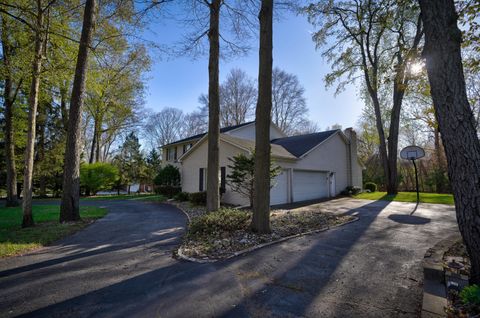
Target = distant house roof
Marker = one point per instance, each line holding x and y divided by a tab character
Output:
222	130
300	145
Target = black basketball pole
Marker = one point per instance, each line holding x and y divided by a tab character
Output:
416	180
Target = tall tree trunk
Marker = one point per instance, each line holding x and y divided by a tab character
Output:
32	116
69	208
440	186
398	93
63	105
455	119
97	148
42	118
93	147
261	199
9	99
213	193
382	148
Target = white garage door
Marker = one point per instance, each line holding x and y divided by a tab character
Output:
279	192
309	185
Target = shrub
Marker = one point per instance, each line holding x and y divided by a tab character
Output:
241	179
181	196
351	190
216	223
470	295
167	190
168	176
98	176
372	187
198	198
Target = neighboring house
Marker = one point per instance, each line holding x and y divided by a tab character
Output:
314	166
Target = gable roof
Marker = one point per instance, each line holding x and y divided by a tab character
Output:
277	151
222	130
300	145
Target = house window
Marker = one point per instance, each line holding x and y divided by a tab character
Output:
186	147
171	154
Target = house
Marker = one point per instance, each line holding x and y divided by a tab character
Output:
314	166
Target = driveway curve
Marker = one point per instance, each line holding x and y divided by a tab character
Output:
121	266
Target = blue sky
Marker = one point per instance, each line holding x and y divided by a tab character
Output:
178	82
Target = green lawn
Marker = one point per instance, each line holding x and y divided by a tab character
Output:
15	240
439	198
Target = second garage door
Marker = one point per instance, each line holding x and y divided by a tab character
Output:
279	191
309	185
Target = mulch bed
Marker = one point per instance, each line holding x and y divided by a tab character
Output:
284	223
456	260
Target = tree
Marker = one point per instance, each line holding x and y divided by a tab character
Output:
242	176
289	108
261	200
153	165
69	207
168	176
238	96
32	113
376	41
130	161
455	119
194	123
9	96
213	196
164	127
98	176
114	92
235	14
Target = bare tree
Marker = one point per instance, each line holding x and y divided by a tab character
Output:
289	108
238	96
194	123
455	119
69	208
261	199
164	127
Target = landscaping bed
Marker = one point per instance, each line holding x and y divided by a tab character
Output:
463	300
225	233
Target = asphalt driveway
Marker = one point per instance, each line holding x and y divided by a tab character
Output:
121	266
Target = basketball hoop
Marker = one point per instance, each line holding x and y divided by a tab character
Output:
413	153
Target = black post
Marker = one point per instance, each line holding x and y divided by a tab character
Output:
416	180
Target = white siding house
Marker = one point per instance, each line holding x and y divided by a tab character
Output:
314	166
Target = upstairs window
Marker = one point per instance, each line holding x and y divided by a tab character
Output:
171	154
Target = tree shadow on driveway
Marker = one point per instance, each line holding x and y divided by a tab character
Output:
358	270
304	271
